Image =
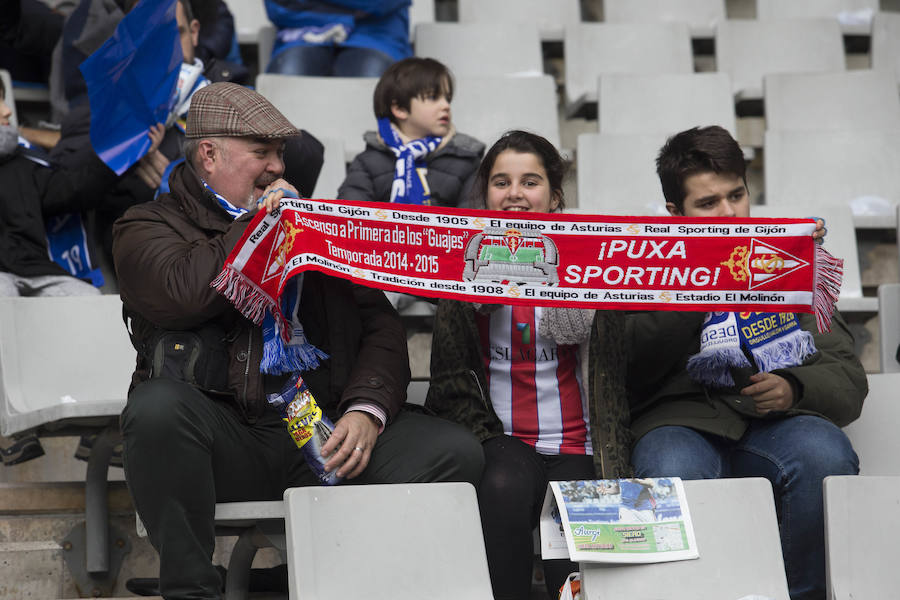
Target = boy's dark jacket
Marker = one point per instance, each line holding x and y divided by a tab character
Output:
451	171
831	383
30	192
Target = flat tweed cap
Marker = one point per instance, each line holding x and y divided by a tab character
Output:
230	110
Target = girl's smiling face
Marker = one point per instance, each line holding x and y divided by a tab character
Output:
518	182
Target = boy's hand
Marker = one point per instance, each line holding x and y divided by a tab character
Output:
770	392
820	232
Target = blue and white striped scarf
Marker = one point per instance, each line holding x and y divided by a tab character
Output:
408	186
297	354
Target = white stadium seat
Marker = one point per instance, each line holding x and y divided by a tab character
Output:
855	167
861	532
386	542
854	16
550	17
740	551
485	107
748	50
859	99
701	16
482	49
664	103
874	433
338	108
595	49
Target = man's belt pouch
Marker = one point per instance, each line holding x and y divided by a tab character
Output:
199	358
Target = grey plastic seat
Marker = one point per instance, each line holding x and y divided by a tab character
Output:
482	49
740	551
386	542
886	43
664	103
859	99
64	360
65	367
550	17
748	50
420	11
861	532
873	434
249	17
595	49
854	16
857	167
889	326
485	107
334	170
701	16
338	108
617	174
840	242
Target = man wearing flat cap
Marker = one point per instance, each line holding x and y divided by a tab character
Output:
197	427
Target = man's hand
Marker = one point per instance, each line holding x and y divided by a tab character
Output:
351	444
770	392
153	164
274	192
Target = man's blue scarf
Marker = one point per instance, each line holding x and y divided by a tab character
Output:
771	340
298	354
408	186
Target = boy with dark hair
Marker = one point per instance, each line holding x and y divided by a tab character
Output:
696	151
416	156
765	414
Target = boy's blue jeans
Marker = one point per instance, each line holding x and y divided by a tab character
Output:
794	453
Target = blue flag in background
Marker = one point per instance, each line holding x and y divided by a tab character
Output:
131	82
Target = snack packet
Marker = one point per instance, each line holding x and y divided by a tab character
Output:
309	427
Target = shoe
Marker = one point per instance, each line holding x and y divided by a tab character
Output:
21	450
86	442
143	586
274	579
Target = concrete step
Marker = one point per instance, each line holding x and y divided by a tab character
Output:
57	464
33	556
26	498
31	570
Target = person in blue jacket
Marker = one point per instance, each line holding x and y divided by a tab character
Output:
341	38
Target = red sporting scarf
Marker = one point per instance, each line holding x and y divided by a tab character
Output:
585	261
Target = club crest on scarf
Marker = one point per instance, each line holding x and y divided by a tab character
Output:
771	340
761	263
409	186
281	249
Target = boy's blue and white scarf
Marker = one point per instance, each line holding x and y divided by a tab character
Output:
280	357
408	186
771	340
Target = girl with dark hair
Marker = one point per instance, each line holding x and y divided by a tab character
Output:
543	388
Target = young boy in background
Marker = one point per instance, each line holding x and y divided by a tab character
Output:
416	156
